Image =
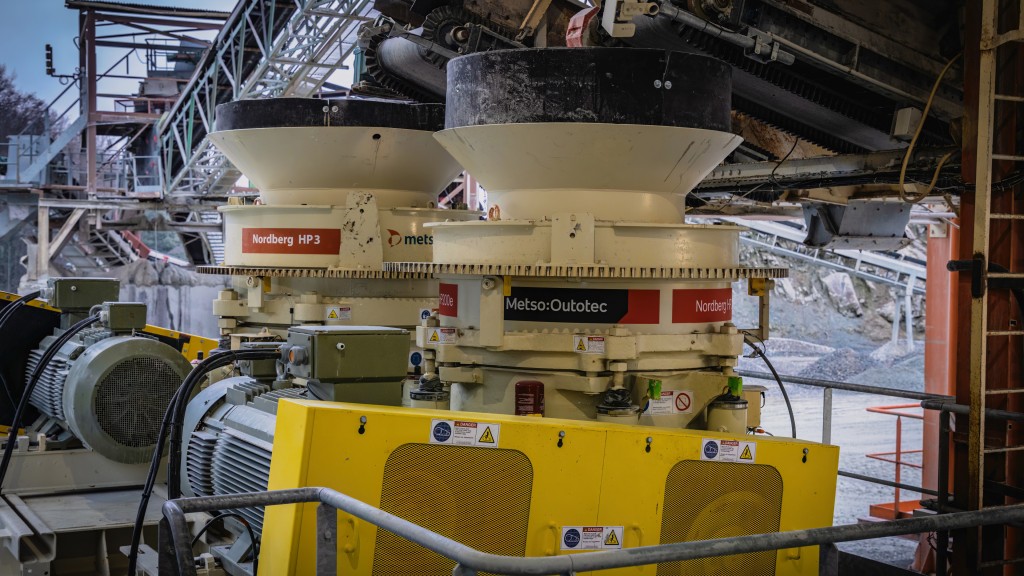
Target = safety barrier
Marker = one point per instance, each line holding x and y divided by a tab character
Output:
176	551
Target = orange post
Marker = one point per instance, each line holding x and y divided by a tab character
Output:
940	339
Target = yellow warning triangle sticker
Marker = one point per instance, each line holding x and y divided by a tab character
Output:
746	455
333	315
612	539
582	347
487	437
433	336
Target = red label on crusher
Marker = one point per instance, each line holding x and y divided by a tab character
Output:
291	240
701	305
448	300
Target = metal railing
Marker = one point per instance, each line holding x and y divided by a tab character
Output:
266	49
895	457
945	405
176	549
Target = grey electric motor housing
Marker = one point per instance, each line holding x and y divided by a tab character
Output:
110	390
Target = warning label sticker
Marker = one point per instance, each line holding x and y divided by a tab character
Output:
591	537
586	306
728	451
672	402
291	240
442	336
588	344
462	433
338	313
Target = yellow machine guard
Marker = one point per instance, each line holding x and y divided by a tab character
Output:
538	486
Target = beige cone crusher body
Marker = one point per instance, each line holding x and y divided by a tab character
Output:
345	187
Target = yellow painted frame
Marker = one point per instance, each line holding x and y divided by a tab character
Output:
602	475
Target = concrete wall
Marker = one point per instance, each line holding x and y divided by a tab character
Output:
182	308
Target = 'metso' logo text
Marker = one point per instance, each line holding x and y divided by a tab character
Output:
396	238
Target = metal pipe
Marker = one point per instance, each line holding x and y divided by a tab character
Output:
847	386
746	42
943	405
405	59
942	536
471	560
937	402
890	483
899	464
826	417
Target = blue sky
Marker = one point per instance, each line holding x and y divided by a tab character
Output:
28	25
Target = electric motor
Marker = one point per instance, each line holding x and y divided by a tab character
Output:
109	390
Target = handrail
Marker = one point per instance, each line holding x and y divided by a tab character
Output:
178	549
847	386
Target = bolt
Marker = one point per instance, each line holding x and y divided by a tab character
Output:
327	109
488	284
334	108
657	83
668	84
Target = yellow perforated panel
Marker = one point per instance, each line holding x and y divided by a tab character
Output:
706	500
477	496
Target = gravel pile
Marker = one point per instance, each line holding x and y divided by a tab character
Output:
840	365
793	347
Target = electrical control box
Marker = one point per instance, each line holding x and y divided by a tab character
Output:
123	316
364	364
81	293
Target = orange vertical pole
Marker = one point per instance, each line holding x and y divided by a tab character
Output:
939	338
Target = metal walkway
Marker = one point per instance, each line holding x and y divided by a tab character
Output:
266	49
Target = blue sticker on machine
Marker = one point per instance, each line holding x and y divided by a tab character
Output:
710	449
442	432
416	358
571	539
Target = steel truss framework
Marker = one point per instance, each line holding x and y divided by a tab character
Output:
266	49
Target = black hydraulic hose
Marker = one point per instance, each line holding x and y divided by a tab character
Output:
15	306
782	387
5	316
171	415
7	390
19	413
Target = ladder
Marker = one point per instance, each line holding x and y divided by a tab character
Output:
990	440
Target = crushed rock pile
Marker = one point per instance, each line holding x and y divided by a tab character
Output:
839	365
